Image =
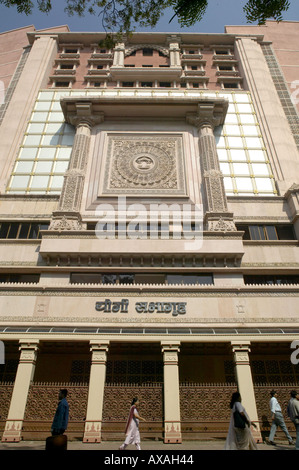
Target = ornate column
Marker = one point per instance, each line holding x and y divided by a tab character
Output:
68	217
24	376
211	114
245	383
172	415
93	423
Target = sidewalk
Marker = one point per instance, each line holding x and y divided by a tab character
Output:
153	446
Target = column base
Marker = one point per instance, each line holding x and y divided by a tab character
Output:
219	222
92	433
12	431
173	433
66	221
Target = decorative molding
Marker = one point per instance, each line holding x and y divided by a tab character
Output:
137	47
237	322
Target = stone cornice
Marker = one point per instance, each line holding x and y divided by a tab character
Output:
208	114
82	113
95	109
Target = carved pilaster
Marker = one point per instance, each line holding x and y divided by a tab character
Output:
93	423
245	384
24	376
209	115
172	415
68	217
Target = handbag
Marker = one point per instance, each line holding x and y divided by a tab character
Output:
239	421
56	442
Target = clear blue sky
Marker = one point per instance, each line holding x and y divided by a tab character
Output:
219	14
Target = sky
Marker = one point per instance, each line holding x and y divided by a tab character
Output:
219	14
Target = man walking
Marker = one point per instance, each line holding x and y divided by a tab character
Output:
61	417
277	419
293	411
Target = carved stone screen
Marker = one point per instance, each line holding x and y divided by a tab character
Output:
139	163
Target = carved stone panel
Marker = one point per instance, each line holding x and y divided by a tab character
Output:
144	164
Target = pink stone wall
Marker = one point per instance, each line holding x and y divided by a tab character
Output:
12	45
11	50
139	59
285	42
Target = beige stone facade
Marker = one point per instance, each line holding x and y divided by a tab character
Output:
149	233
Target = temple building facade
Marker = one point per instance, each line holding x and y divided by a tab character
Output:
149	227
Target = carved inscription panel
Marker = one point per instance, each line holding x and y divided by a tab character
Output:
138	163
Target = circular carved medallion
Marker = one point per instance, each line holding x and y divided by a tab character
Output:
144	164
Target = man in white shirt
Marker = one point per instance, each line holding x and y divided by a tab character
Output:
277	419
293	412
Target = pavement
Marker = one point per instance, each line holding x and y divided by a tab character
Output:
150	446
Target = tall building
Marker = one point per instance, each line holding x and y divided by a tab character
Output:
149	206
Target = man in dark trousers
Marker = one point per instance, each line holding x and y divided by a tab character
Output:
61	417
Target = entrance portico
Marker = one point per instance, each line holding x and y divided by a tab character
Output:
101	398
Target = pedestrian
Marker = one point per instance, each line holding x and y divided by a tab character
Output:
277	419
61	417
239	433
132	427
293	412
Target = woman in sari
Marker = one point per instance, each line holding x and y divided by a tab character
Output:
132	427
239	438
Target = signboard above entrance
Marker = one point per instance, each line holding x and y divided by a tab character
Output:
122	306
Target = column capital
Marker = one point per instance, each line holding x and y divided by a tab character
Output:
28	343
240	346
81	112
210	113
170	346
241	352
29	349
170	351
173	39
120	45
99	351
99	345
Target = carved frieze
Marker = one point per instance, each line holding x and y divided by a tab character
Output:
130	49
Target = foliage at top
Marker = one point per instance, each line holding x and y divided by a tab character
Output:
123	16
